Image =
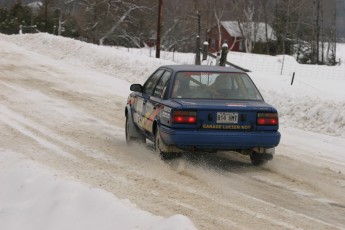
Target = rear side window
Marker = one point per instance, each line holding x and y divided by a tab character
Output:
151	83
252	92
162	85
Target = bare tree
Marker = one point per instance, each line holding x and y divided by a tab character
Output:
198	45
267	19
180	28
332	35
104	17
119	11
92	18
317	29
218	14
65	9
248	28
244	13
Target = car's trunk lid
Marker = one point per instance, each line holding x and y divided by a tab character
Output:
225	114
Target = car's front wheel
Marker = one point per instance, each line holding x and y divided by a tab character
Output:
130	135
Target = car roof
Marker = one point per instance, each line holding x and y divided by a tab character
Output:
177	68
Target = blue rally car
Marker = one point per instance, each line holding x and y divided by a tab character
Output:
186	108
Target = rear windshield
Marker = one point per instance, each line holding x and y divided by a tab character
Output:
211	85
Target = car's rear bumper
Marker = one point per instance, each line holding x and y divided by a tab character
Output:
218	139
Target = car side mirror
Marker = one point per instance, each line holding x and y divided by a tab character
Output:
136	88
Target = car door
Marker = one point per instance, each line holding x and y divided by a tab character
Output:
147	91
153	104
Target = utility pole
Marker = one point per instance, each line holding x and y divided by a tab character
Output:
46	15
322	34
197	56
159	25
332	46
317	31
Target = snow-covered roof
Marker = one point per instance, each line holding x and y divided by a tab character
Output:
232	28
256	30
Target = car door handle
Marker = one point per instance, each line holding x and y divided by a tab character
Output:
155	105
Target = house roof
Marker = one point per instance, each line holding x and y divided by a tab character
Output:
232	28
256	30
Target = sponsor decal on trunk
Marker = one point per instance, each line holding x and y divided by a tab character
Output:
228	127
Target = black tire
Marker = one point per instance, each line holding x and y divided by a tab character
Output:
257	160
129	138
157	142
163	155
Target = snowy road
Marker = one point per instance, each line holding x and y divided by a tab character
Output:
64	117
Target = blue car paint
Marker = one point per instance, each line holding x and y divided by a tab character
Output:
218	140
194	136
187	136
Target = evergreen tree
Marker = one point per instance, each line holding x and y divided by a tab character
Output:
12	20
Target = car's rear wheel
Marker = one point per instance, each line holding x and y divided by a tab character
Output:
258	159
130	136
160	146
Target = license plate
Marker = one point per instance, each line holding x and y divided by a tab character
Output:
223	117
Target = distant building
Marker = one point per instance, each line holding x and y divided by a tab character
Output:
239	36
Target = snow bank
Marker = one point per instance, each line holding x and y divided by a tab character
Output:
315	102
108	60
32	197
316	105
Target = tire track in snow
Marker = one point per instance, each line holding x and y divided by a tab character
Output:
42	134
9	118
245	184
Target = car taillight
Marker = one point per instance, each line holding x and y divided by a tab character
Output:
184	117
267	119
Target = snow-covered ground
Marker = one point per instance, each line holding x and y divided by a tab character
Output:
312	103
34	196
